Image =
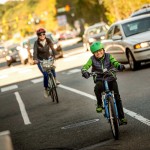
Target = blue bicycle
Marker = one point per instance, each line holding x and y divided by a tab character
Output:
109	104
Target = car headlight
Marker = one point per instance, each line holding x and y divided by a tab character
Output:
102	37
55	46
91	40
141	45
8	57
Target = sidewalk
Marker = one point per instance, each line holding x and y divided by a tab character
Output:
25	72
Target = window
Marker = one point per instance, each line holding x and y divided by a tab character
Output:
109	34
137	26
117	31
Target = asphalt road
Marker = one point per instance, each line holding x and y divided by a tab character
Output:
36	123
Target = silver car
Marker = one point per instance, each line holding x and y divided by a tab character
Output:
93	33
129	40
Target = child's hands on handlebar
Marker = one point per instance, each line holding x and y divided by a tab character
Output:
121	67
36	61
86	74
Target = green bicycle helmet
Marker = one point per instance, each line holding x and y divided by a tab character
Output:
96	46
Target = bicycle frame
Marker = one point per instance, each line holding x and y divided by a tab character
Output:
108	93
109	105
47	65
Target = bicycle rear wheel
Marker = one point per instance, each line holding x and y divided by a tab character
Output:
113	118
52	87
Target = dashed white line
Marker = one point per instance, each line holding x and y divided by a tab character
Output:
8	88
22	109
73	71
37	80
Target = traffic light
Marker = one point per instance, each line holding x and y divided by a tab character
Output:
67	8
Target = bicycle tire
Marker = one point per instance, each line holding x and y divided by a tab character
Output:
113	118
50	91
53	91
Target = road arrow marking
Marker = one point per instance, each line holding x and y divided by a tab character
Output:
80	124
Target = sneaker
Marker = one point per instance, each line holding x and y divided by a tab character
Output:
99	109
123	121
57	82
45	93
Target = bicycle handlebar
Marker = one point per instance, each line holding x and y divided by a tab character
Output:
49	59
105	72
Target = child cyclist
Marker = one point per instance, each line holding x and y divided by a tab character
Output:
99	61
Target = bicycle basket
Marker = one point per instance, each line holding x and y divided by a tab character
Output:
48	64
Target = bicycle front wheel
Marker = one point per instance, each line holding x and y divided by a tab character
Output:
53	90
113	118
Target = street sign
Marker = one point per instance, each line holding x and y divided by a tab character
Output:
62	20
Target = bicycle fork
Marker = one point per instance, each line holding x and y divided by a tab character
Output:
105	105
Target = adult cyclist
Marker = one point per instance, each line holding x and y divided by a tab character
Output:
43	49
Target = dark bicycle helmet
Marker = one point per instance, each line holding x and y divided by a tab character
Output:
40	30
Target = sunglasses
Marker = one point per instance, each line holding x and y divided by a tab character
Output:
41	34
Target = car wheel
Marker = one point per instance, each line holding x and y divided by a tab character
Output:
134	65
85	47
8	64
88	47
24	61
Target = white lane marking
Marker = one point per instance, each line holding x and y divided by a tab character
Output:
7	132
7	88
77	91
37	80
22	109
137	116
3	76
80	124
73	71
130	113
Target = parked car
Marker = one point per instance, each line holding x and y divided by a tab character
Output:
67	35
93	33
12	54
56	45
144	10
26	49
128	40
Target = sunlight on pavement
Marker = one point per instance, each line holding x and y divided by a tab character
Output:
25	72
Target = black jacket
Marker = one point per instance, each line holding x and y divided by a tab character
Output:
43	52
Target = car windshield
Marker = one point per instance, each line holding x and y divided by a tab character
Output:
136	26
32	42
97	30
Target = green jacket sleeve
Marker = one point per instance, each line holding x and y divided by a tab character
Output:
87	65
114	62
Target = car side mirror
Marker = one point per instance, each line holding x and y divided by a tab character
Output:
116	37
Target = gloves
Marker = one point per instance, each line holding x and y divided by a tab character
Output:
86	74
121	67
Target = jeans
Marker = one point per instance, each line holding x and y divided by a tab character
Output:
45	75
113	86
